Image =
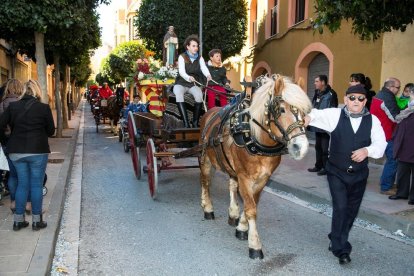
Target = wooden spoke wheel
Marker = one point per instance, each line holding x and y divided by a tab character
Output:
132	131
152	168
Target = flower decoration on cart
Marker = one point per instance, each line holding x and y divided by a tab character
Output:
151	69
150	77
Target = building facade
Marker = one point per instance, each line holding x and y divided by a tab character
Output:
281	40
22	68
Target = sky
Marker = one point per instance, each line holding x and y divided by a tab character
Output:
106	20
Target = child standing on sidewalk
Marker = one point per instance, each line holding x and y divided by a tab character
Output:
218	74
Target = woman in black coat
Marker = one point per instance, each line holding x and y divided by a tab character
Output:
31	124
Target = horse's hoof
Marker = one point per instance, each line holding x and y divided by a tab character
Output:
242	235
255	254
233	221
209	215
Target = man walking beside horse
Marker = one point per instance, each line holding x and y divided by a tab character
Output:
355	136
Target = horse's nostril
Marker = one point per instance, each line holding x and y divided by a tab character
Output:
296	147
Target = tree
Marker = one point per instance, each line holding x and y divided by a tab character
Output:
369	18
224	23
120	64
38	17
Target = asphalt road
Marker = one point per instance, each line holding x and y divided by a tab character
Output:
124	232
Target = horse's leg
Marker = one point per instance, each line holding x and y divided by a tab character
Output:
205	178
234	210
242	228
248	190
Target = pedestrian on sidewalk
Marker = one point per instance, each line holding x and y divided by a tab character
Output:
355	136
12	91
404	98
324	97
404	152
384	106
359	78
31	123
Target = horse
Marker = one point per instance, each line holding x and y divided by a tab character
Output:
113	110
246	141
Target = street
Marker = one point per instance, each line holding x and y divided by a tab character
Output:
124	232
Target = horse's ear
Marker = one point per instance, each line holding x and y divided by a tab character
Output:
279	84
301	83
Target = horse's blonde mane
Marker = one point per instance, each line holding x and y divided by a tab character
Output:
291	93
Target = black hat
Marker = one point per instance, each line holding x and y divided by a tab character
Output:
359	89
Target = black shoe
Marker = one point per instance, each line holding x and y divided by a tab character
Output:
330	246
322	172
344	259
36	226
394	197
314	169
19	225
411	202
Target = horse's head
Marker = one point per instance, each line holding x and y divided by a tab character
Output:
279	107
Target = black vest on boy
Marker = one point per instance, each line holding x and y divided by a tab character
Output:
192	69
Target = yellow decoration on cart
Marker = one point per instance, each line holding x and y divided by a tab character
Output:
152	90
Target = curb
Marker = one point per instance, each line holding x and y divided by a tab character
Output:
388	222
41	263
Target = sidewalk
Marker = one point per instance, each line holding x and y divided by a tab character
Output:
293	177
28	252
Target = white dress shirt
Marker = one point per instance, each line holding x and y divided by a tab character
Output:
327	119
183	73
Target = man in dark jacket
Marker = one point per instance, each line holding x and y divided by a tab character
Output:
325	97
384	106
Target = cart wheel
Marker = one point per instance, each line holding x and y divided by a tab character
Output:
132	130
126	144
120	138
152	169
44	191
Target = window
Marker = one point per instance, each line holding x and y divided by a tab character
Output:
299	11
254	32
253	23
273	18
4	75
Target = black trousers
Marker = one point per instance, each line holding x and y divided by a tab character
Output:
321	149
405	175
346	200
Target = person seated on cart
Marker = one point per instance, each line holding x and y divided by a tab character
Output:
105	92
191	68
135	106
218	74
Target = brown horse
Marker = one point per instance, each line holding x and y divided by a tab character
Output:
112	111
247	143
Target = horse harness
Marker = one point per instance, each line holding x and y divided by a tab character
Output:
238	116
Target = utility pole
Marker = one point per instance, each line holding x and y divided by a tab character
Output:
201	28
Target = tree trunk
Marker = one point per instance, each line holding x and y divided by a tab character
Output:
74	103
59	128
70	98
64	94
41	64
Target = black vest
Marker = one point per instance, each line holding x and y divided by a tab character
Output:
344	141
192	69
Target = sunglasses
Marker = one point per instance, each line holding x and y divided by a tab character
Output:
353	98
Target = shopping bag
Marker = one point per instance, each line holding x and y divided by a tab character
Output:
4	164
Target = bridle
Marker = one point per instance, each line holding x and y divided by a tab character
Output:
273	112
